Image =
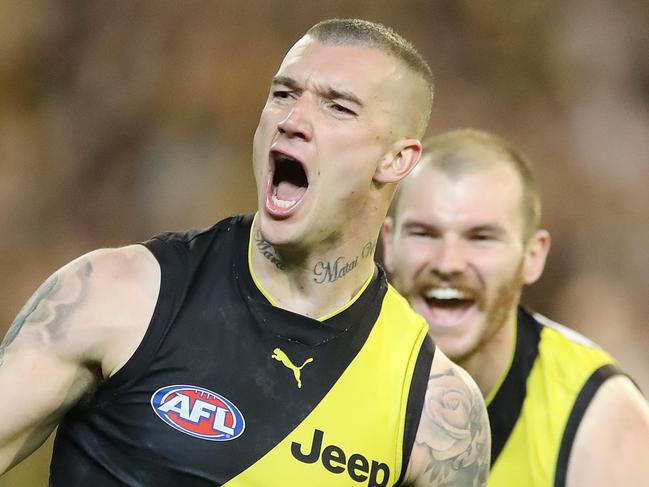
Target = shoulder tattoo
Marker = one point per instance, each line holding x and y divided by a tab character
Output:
456	437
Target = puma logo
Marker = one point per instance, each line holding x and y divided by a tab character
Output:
280	356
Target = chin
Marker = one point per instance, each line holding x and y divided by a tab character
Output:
457	348
278	232
457	352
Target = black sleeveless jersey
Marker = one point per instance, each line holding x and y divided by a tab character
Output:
227	389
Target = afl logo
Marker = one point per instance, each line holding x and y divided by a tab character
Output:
198	412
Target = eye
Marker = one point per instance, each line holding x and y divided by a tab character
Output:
282	94
338	108
482	237
421	233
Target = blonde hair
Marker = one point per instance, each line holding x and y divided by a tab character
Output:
454	153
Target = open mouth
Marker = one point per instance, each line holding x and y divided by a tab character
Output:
448	306
288	184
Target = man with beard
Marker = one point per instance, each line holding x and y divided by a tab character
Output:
462	240
267	349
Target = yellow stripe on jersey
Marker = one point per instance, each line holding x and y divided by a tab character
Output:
354	436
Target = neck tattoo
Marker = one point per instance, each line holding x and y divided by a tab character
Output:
332	270
268	251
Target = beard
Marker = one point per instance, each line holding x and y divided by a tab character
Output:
498	310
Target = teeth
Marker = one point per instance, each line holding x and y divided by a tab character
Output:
445	293
282	203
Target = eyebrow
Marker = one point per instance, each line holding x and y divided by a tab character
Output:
329	93
286	81
410	224
489	227
334	94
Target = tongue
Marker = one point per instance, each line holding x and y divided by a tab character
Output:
448	311
289	192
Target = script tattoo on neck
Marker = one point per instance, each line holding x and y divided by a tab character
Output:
267	250
46	311
332	270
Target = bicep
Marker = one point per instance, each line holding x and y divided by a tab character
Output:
453	442
611	446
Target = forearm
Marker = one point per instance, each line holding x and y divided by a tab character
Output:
15	450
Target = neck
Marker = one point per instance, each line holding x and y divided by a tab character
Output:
492	358
313	282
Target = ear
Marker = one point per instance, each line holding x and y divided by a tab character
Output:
536	253
397	164
387	231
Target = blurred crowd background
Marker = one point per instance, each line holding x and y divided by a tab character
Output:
121	119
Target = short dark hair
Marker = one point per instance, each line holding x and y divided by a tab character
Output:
454	154
371	34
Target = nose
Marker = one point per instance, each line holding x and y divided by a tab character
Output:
450	259
297	123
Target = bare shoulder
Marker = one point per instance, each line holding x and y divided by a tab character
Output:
127	271
611	446
124	288
453	442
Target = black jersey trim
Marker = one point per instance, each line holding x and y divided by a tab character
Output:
582	402
505	408
415	405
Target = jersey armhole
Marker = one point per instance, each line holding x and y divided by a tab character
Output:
161	319
415	404
584	398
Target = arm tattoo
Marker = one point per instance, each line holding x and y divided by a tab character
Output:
456	435
47	309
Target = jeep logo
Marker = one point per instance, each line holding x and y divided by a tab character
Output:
335	460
